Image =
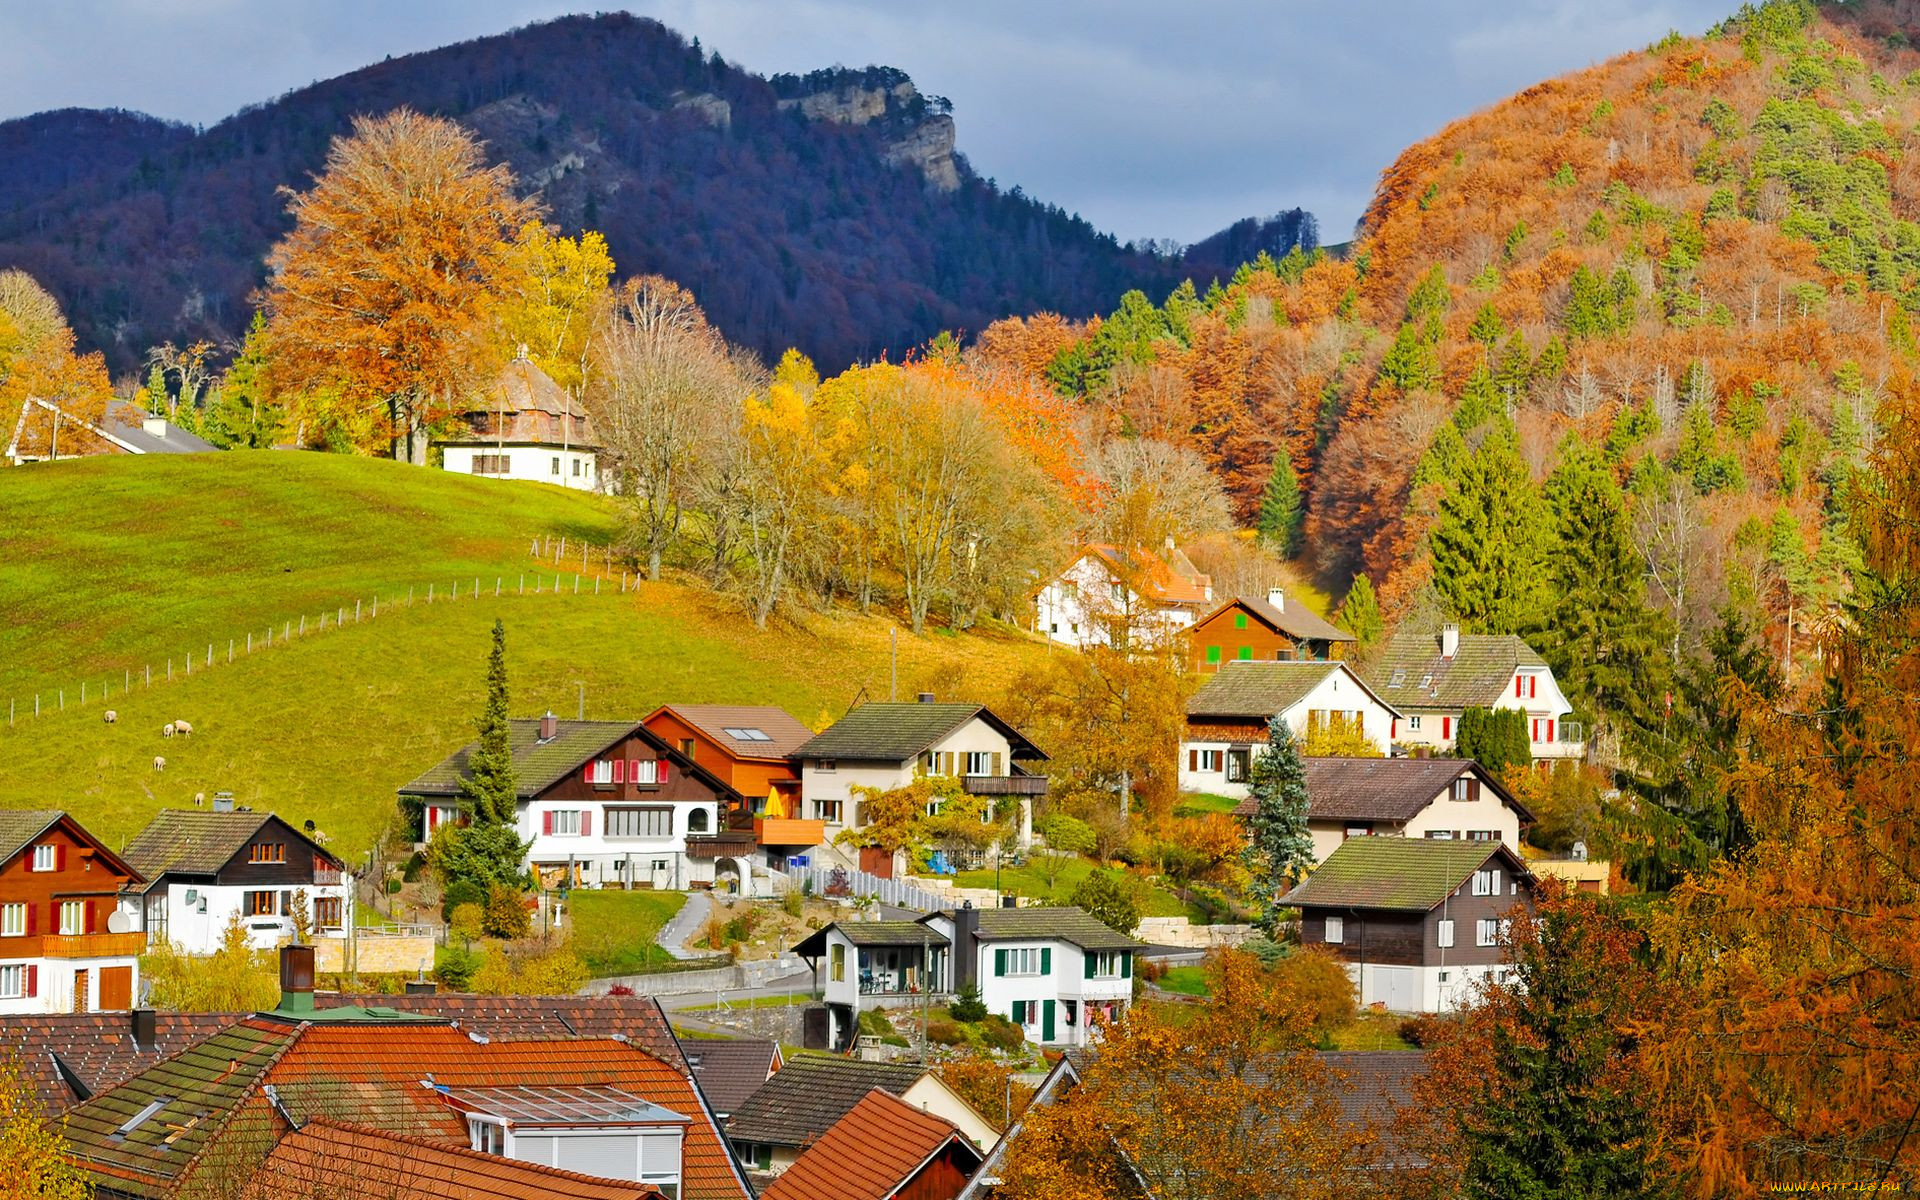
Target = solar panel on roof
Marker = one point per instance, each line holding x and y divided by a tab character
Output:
747	734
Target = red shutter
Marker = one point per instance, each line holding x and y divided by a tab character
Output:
586	823
586	775
91	925
59	858
1518	686
1533	686
33	912
661	776
546	822
633	770
1393	730
1535	733
619	770
33	980
1446	728
1549	729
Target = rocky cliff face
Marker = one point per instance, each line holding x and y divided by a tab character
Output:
919	129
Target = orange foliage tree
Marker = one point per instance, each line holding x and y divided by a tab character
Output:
51	399
381	293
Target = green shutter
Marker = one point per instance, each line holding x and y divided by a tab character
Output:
1046	1020
999	963
1046	961
1246	653
1126	964
1088	958
1019	1012
1213	654
1239	620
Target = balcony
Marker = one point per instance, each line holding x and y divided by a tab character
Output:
93	945
788	831
1004	785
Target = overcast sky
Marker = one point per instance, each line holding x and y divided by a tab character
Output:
1152	118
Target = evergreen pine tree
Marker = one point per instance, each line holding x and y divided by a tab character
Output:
1490	543
1360	613
1281	513
1279	850
487	850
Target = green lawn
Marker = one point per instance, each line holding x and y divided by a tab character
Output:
1031	881
615	933
327	728
1185	980
1371	1031
1197	804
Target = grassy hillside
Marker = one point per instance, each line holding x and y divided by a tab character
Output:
116	562
327	727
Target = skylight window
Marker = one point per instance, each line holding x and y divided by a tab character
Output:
748	735
142	1117
1399	677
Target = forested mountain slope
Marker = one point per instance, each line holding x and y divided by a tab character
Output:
827	211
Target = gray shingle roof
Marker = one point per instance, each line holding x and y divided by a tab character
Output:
1395	873
873	933
805	1097
1254	690
730	1070
1296	620
896	732
537	765
199	842
1479	673
128	423
1073	925
1382	789
19	826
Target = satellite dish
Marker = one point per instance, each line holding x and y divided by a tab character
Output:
119	922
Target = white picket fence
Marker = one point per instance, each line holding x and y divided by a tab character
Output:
860	883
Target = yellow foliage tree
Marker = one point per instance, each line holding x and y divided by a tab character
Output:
554	290
31	1149
50	398
1337	736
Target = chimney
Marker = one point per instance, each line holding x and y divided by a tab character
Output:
223	802
154	426
296	979
1449	641
145	1028
966	943
926	697
549	726
1277	599
421	987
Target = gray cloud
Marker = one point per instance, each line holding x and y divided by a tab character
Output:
1150	119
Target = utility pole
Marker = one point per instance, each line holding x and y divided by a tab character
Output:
583	698
893	651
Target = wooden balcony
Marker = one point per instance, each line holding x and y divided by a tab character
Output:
1005	785
93	945
789	831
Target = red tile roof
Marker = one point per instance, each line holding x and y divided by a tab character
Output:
325	1157
870	1153
1164	582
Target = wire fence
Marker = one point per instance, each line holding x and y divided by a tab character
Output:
578	569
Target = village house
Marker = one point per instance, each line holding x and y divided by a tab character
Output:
884	1149
731	1069
887	745
124	428
1111	595
812	1093
525	427
1250	629
1420	922
202	869
1432	679
749	747
1227	718
1051	971
1441	798
418	1105
67	943
607	803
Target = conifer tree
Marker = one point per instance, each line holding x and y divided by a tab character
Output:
1279	851
487	851
1490	542
1280	509
1360	613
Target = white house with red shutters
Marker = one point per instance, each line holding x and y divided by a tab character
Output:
603	804
1433	678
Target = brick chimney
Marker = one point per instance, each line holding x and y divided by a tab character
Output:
296	979
145	1029
926	697
549	726
1277	598
1449	641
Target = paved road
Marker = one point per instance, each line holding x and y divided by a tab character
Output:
686	923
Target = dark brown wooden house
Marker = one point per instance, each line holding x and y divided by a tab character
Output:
202	868
1254	629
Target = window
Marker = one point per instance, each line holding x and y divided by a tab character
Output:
1399	677
1026	960
1466	789
1104	964
827	765
748	735
267	852
326	912
1413	723
1336	930
1483	835
46	858
1354	831
492	464
983	762
640	822
686	747
827	810
13	920
147	1113
1486	932
1209	761
1445	934
488	1138
563	822
642	771
837	956
600	771
73	917
259	904
1486	883
13	982
1239	765
697	821
556	464
1213	654
576	468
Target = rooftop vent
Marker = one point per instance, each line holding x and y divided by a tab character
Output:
926	697
549	726
223	802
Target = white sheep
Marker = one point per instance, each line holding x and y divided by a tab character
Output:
183	729
167	729
112	716
199	798
159	764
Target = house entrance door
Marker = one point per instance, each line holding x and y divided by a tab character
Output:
81	982
116	989
1046	1020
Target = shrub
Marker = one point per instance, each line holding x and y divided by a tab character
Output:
1265	949
873	1022
945	1033
461	891
1112	897
1319	980
1421	1031
558	973
1066	833
968	1006
506	914
620	989
1152	970
1001	1034
468	922
792	904
455	966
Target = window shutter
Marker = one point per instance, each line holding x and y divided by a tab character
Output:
660	775
1193	760
586	774
1019	1008
90	925
546	822
33	911
1549	729
1126	964
1046	960
59	858
633	771
999	963
586	823
1473	789
1089	958
619	770
1533	686
1446	728
1517	685
33	980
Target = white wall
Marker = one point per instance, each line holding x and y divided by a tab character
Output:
600	857
1422	989
1066	981
1080	608
1440	729
1488	812
1340	692
816	784
196	932
578	468
928	1094
54	987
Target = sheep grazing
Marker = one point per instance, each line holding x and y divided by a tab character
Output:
112	716
183	729
167	729
159	764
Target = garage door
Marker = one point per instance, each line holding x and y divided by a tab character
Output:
1397	987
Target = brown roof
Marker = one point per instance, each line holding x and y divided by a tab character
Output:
784	732
200	841
539	765
1397	874
331	1158
1373	1086
729	1070
1295	620
524	405
869	1154
20	827
804	1098
1169	580
1384	789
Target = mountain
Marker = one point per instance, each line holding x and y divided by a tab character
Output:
829	211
